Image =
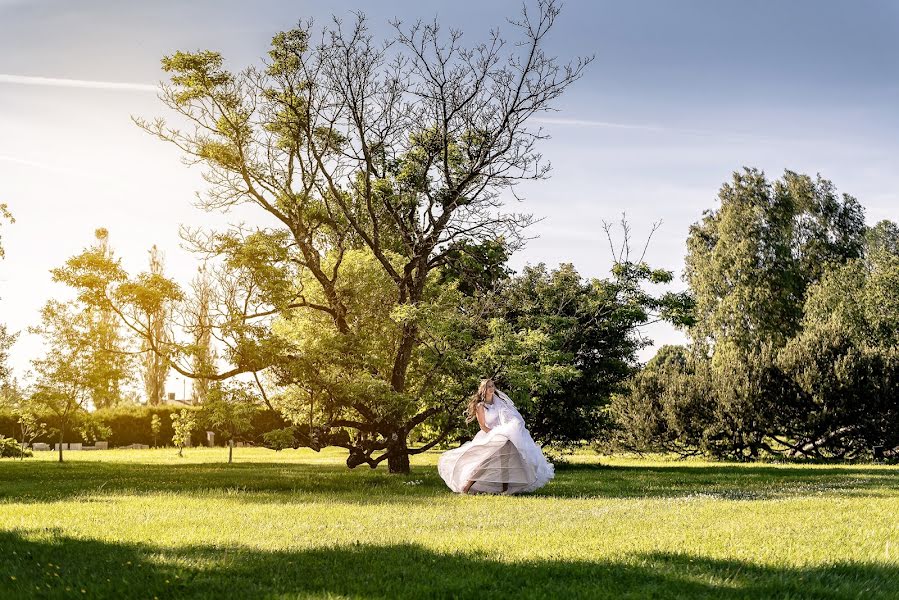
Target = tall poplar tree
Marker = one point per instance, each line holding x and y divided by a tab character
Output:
156	365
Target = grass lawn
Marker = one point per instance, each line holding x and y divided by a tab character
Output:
296	524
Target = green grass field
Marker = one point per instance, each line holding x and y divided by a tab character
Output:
295	524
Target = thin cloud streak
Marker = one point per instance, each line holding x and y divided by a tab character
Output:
78	83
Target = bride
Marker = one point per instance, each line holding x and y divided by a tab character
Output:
502	457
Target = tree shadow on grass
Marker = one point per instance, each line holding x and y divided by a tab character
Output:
48	565
273	481
48	482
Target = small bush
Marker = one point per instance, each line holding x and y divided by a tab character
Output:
10	448
279	439
133	424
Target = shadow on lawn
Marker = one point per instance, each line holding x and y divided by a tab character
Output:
53	566
267	481
271	481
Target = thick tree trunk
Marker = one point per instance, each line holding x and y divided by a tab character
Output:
398	457
230	450
402	358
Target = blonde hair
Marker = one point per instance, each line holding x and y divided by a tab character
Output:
472	413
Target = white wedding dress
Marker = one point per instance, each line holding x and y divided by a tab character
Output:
503	460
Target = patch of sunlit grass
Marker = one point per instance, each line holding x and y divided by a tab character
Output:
126	523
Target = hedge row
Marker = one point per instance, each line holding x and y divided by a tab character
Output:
131	425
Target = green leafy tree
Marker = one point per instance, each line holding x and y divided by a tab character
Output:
30	427
66	379
563	345
668	406
749	265
345	152
92	429
156	368
750	261
279	439
155	428
331	371
229	411
7	339
110	362
183	423
7	383
845	361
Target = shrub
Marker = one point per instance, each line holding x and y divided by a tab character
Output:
279	439
10	448
133	424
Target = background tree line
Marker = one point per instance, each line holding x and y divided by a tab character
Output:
793	348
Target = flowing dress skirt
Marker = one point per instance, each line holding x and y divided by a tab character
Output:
503	460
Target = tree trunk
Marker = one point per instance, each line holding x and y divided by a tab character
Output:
62	432
398	457
402	358
230	450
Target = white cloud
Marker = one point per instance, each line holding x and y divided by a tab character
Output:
81	83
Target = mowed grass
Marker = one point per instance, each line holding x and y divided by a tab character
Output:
296	524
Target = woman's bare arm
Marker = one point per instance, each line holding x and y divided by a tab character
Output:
479	411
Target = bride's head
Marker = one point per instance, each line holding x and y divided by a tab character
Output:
484	394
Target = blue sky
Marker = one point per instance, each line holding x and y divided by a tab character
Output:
681	94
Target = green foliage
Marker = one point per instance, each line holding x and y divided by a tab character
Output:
229	411
476	267
130	425
797	321
155	427
183	424
686	403
106	365
666	406
845	361
333	378
30	427
279	439
750	261
10	448
93	429
563	345
6	342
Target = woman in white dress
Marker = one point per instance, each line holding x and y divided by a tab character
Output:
502	457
